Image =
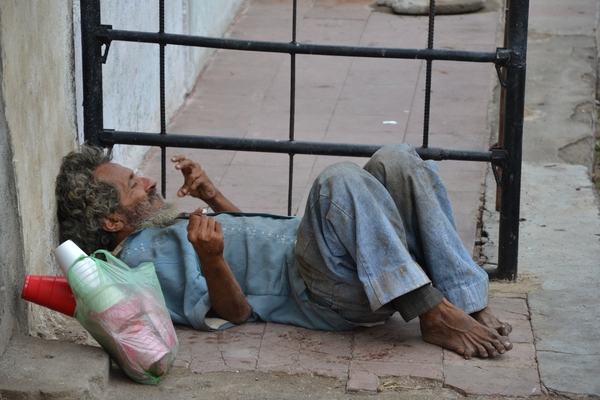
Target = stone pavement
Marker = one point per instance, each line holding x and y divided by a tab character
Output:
553	307
369	358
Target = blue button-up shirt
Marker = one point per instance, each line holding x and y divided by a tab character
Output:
259	249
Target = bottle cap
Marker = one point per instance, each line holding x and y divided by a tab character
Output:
66	254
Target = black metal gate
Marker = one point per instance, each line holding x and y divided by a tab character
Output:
510	62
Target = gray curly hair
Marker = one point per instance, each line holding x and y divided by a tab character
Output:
83	201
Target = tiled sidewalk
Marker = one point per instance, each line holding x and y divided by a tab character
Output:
368	357
245	94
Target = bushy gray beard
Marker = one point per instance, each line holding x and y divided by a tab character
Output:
146	215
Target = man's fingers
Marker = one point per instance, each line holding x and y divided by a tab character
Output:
181	161
210	226
198	211
197	227
193	224
205	234
193	174
207	225
204	224
213	226
190	183
197	180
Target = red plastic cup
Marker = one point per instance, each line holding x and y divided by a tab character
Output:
52	292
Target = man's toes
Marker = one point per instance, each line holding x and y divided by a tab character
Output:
468	353
483	353
491	350
505	329
498	345
507	345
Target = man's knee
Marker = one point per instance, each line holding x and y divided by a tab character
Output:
398	160
344	171
400	154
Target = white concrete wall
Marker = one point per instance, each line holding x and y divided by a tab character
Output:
36	41
131	75
41	115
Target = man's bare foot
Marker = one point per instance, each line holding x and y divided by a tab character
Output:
450	327
486	317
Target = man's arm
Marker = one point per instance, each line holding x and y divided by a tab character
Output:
197	184
226	297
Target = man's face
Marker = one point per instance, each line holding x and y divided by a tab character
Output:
138	195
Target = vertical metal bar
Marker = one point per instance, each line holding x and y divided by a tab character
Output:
427	108
501	115
292	106
514	106
91	55
163	117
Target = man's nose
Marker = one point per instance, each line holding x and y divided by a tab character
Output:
149	183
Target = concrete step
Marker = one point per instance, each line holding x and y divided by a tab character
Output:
33	368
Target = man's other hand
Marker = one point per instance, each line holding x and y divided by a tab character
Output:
226	296
206	235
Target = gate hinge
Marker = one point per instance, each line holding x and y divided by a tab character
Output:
507	58
496	175
107	138
498	156
102	34
502	58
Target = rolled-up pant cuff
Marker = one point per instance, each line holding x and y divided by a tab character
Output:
417	302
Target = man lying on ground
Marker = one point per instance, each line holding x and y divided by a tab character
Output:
373	241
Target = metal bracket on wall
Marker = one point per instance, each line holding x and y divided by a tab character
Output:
502	59
498	156
102	34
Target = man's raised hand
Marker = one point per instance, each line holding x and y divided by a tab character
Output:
196	181
197	184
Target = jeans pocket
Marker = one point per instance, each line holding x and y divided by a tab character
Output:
350	298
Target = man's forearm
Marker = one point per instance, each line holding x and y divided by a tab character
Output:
225	293
220	203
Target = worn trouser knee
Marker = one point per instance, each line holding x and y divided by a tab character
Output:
345	171
401	157
351	247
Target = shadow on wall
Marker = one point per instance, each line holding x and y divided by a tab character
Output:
13	317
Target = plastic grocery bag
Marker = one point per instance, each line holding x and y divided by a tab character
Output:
124	310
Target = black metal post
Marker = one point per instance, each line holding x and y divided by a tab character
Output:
514	105
292	126
163	114
91	54
428	72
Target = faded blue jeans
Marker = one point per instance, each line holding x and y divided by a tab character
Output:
370	235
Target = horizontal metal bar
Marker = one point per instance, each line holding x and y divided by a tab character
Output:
110	138
107	35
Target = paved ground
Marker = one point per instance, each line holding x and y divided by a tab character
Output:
553	307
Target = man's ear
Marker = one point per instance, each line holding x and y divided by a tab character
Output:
113	223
